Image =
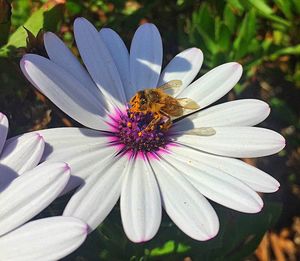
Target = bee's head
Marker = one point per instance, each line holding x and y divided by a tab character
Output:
139	102
142	100
143	104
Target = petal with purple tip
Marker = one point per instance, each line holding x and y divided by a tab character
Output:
214	84
189	210
238	142
247	112
214	185
184	66
60	54
43	239
94	200
140	202
64	90
30	193
20	154
253	177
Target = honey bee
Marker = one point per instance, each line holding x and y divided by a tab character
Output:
162	105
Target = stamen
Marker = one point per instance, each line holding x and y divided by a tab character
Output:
134	132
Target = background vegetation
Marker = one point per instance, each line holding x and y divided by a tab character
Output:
264	36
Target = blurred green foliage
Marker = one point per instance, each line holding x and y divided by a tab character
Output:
249	31
262	35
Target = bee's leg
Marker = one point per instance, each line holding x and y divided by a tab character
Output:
168	123
154	121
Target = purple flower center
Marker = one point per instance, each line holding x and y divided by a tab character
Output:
135	133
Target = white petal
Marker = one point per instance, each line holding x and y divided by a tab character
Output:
120	55
189	210
184	66
248	112
145	57
99	62
64	90
44	239
60	54
23	152
83	149
239	142
29	194
214	84
93	201
20	154
253	177
216	185
3	130
140	202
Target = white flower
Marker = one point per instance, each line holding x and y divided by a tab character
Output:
177	169
26	190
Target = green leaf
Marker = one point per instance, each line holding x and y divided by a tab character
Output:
205	20
296	4
285	6
204	25
47	17
224	38
237	5
267	12
168	248
261	6
292	50
246	34
74	7
229	18
211	45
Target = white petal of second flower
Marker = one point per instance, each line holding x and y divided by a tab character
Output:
214	84
238	142
44	239
248	112
64	90
22	153
94	200
3	130
140	202
145	57
30	193
189	210
184	66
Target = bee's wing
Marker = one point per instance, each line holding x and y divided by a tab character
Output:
174	84
189	104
